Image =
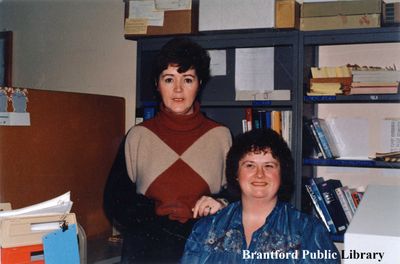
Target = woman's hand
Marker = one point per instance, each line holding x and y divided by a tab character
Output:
207	205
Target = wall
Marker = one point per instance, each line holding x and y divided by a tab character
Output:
72	45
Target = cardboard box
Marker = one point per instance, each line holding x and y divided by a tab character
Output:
183	20
287	14
236	14
340	22
336	8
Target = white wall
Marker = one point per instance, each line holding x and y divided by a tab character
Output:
72	45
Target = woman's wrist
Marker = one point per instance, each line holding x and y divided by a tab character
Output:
224	203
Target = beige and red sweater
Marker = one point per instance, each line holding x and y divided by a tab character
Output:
173	160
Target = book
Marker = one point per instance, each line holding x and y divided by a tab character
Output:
374	84
375	75
324	209
327	190
244	125
249	118
314	149
357	196
374	90
276	121
329	137
316	205
287	127
349	199
344	203
322	135
325	89
148	113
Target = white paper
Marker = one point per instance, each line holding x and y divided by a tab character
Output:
351	135
218	62
146	10
390	135
254	70
173	4
59	205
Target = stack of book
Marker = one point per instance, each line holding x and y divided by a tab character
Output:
279	121
322	138
372	80
334	203
393	156
328	15
329	81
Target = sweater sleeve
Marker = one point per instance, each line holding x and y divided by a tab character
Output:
122	205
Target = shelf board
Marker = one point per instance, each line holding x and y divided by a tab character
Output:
246	103
352	36
351	163
368	98
231	103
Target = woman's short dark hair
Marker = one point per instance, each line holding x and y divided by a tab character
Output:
259	140
186	54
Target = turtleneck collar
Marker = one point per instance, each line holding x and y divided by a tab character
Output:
180	123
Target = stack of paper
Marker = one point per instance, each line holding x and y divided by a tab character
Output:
60	205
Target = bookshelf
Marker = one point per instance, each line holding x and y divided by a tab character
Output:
351	171
295	53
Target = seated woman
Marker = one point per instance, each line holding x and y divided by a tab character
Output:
261	227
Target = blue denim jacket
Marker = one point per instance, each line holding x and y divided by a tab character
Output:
288	236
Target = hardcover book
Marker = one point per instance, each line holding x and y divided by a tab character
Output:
314	187
327	190
325	138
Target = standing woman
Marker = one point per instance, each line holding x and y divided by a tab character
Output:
261	227
169	167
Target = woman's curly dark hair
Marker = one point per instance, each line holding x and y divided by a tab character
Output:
186	54
260	140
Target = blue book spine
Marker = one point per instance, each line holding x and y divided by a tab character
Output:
322	138
148	113
268	119
322	205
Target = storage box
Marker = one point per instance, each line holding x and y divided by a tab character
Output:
287	14
179	17
21	237
340	22
336	8
27	231
236	14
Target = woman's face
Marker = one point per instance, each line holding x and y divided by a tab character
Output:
259	176
178	90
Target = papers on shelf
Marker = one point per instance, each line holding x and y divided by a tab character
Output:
58	205
254	70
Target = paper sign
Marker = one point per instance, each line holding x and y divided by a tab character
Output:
218	62
254	70
146	10
135	26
